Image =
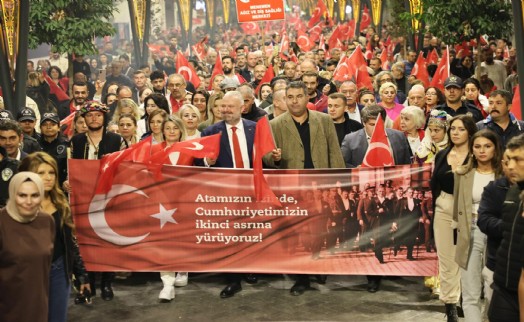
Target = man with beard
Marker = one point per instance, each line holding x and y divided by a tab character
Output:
93	145
454	104
315	96
241	66
80	95
176	84
500	119
228	66
259	72
236	147
309	66
495	68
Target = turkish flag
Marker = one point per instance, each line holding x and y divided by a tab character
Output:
217	70
109	163
200	49
264	143
315	32
322	43
384	59
516	108
348	29
250	28
379	151
284	44
269	50
442	71
268	76
66	125
464	46
432	57
204	147
365	19
335	39
159	50
304	42
341	73
420	70
186	70
317	14
358	69
55	89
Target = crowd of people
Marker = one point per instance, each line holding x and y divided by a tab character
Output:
471	215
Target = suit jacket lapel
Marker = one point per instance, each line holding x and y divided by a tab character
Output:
224	142
250	138
291	128
314	126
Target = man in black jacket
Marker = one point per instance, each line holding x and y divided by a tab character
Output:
53	143
490	223
93	145
504	304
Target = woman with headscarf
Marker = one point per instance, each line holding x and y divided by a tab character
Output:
26	250
66	255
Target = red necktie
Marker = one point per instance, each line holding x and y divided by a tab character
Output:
237	154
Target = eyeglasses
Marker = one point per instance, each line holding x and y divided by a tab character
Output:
384	80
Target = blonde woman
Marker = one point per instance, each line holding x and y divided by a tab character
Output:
127	106
190	115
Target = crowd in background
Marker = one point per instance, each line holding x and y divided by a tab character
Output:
466	128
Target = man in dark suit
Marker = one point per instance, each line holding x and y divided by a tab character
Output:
236	149
354	148
355	145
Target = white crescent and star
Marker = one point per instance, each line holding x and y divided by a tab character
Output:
306	38
197	147
98	221
187	70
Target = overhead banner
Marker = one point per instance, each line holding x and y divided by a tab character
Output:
360	221
260	10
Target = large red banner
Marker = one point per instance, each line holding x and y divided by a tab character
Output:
204	219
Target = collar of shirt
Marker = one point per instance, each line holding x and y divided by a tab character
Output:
239	126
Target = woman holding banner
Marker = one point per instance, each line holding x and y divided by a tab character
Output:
461	129
174	131
484	166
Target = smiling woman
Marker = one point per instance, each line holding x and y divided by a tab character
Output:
66	256
26	239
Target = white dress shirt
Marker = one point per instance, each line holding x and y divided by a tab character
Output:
242	141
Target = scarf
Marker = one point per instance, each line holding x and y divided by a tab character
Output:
14	185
